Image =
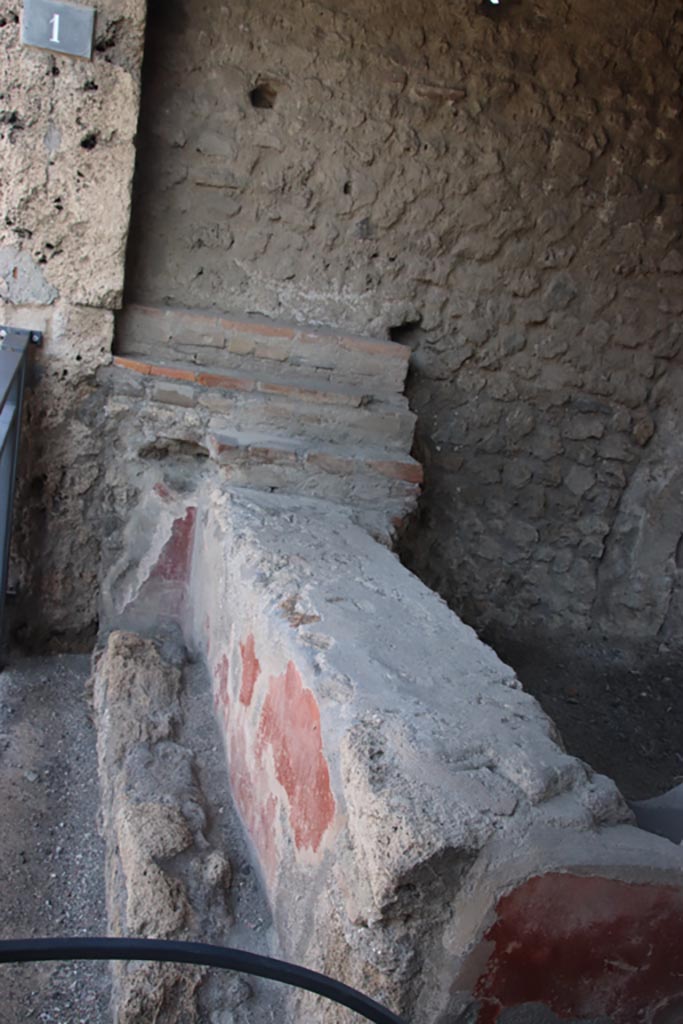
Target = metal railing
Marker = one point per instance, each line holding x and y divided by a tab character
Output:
14	344
164	951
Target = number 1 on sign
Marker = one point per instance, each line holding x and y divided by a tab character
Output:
54	22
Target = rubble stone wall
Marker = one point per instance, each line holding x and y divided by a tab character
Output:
499	188
67	154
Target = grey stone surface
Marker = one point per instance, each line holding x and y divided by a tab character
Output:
662	815
22	280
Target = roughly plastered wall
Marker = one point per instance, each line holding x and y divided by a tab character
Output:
504	184
67	132
420	831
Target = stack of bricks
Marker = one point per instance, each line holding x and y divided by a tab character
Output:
279	408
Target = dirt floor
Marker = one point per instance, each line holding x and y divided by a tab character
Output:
618	708
248	1000
51	856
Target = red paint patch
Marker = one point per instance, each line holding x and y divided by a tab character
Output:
162	491
251	669
587	947
257	807
174	561
290	724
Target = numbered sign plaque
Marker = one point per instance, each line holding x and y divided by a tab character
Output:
55	25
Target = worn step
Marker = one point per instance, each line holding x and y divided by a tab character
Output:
195	336
378	423
362	476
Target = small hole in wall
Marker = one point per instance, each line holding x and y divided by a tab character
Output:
89	141
37	485
263	96
406	333
347	188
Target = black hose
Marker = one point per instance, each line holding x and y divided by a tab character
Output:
23	950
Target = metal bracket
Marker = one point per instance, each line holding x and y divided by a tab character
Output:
15	339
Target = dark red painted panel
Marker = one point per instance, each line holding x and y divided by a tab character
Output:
162	491
587	947
174	561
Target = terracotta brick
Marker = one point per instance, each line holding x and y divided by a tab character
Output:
221	445
278	456
150	312
338	464
136	365
193	339
313	394
386	349
172	372
411	472
220	380
265	330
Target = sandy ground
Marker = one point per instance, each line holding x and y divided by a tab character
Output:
246	999
51	856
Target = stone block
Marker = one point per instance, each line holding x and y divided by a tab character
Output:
179	395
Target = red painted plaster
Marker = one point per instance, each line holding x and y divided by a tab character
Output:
162	491
257	806
173	563
290	725
251	669
586	947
